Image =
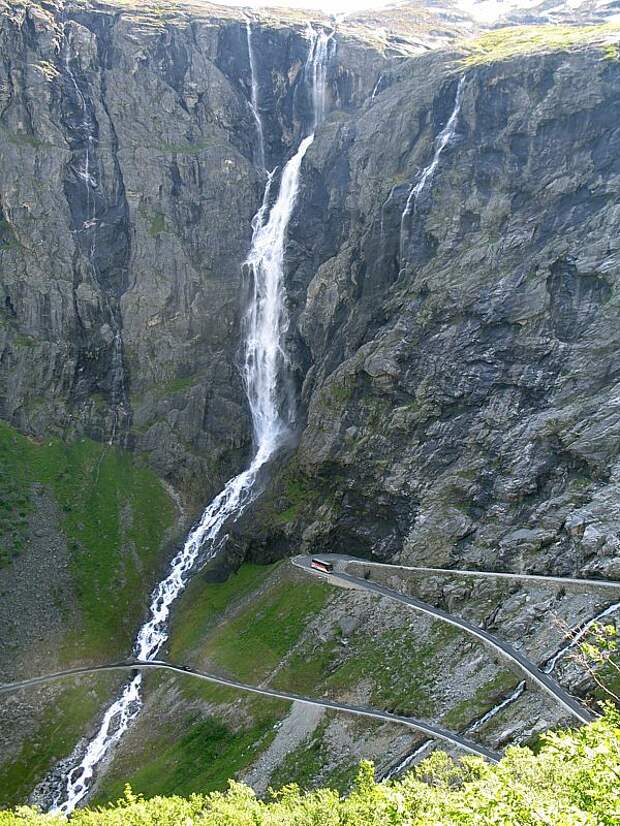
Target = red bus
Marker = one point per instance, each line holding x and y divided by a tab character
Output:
326	567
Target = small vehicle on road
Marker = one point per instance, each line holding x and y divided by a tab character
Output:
320	565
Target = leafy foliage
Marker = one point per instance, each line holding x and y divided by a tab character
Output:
572	781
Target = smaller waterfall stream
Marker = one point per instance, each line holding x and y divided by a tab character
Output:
442	140
254	104
316	70
88	173
577	636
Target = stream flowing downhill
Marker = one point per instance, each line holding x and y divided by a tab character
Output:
265	361
443	139
254	103
574	637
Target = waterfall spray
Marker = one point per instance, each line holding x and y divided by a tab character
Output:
264	326
316	70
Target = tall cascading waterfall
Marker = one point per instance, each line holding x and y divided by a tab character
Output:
254	104
442	140
264	326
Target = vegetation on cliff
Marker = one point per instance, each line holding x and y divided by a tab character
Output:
571	781
115	515
507	43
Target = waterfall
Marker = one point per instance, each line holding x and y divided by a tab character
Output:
254	101
442	140
88	173
377	87
316	70
264	363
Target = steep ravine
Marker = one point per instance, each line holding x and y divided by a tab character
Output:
453	363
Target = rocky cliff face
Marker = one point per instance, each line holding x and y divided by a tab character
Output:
129	184
453	304
460	386
455	365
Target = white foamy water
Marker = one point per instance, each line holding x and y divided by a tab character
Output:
254	102
265	360
319	55
442	140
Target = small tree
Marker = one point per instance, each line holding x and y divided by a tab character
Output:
599	656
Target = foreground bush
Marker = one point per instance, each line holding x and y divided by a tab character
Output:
574	780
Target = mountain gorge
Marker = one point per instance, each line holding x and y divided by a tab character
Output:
450	280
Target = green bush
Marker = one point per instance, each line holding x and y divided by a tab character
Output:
572	781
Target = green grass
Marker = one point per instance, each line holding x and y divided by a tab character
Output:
252	643
296	490
242	628
202	759
62	724
176	385
571	781
157	224
204	602
304	763
309	667
114	514
506	43
401	668
15	503
291	493
484	698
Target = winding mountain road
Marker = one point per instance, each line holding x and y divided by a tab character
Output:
338	576
545	580
526	666
362	711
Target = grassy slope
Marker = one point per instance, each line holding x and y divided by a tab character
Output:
258	626
62	723
242	627
506	43
572	781
115	517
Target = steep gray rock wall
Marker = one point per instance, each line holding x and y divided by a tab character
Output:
455	370
461	386
128	186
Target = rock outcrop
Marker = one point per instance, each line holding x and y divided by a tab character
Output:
129	185
460	387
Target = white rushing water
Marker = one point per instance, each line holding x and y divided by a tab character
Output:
442	140
254	104
265	361
319	55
